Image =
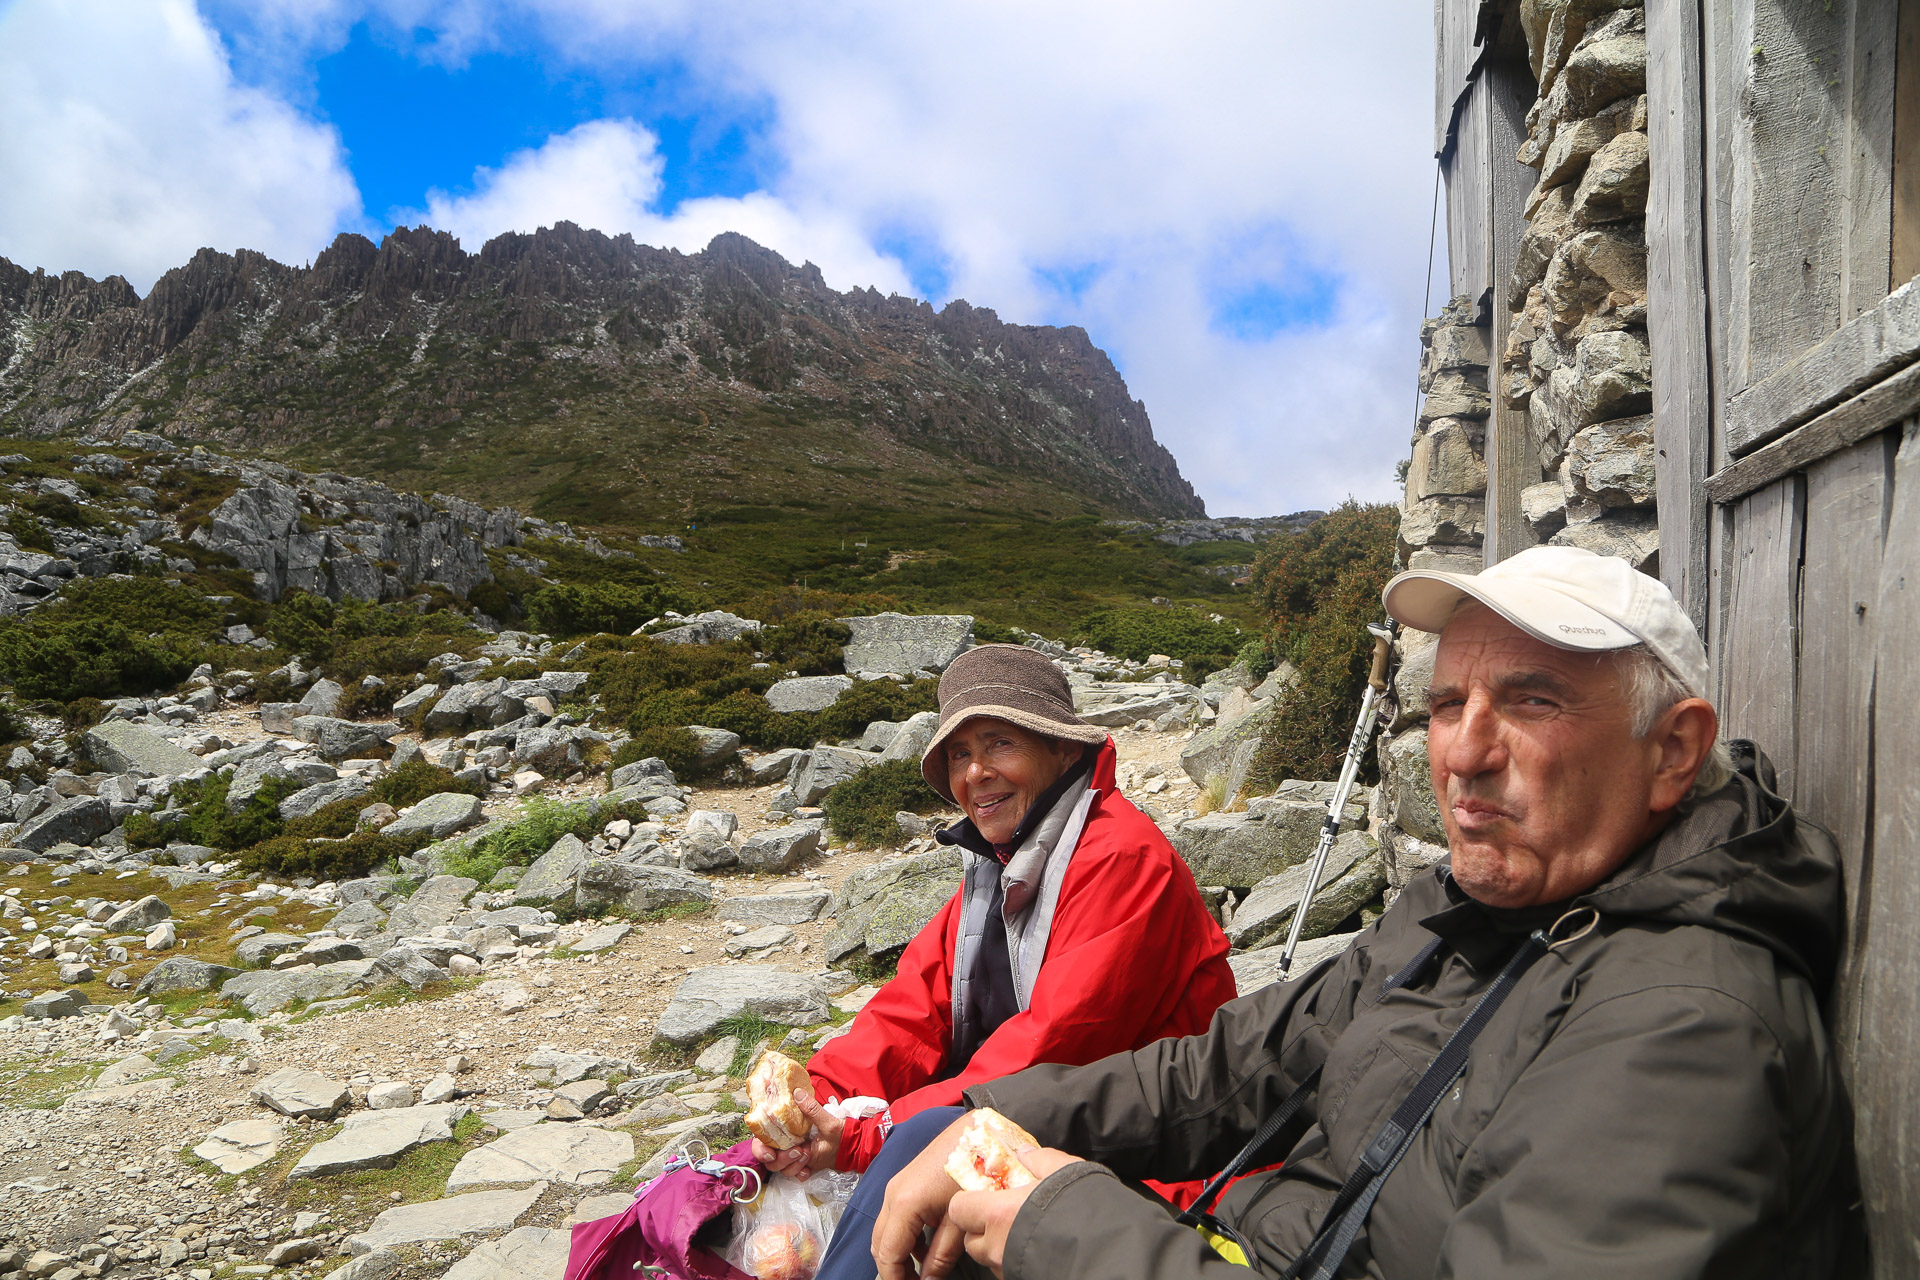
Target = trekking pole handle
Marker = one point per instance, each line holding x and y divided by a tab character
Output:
1382	655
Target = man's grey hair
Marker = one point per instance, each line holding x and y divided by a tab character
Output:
1651	689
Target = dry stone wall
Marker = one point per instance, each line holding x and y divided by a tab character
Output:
1443	520
1576	358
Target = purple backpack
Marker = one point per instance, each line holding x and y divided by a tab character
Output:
678	1223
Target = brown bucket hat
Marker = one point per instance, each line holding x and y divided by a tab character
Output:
1012	682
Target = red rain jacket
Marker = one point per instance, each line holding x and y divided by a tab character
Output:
1133	957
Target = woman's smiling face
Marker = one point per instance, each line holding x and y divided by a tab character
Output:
996	770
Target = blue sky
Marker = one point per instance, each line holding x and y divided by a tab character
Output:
1233	201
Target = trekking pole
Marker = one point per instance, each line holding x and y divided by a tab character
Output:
1356	748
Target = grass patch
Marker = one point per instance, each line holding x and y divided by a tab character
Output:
420	1174
1202	645
202	931
34	1084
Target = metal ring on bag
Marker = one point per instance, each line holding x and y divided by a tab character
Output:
740	1195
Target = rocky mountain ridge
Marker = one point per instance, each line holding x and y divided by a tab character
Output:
549	365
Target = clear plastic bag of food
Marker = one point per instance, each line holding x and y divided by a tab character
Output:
783	1233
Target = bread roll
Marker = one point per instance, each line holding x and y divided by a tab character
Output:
984	1160
773	1116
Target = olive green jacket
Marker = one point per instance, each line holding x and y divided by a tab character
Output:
1656	1098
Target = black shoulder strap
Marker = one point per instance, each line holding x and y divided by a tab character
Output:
1291	1107
1322	1257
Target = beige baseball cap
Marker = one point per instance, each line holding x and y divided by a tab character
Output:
1566	596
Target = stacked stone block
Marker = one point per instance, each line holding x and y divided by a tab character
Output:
1444	517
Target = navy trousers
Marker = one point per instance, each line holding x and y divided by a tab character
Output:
850	1255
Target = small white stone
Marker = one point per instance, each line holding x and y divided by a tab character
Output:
395	1093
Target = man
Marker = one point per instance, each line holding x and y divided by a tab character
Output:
1653	1097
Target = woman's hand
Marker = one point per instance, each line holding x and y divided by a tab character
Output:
804	1158
985	1217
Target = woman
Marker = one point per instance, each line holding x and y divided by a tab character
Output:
1077	932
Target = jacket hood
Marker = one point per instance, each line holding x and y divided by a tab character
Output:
1739	861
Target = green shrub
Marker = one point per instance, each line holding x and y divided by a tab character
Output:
288	855
204	818
1323	586
810	644
1203	646
415	780
680	750
333	822
871	700
862	807
88	658
13	724
599	608
1258	656
543	821
82	713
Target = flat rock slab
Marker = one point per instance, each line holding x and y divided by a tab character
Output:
576	1155
240	1145
265	991
601	1207
906	643
159	1088
305	1095
448	1219
708	997
1354	874
604	938
120	747
126	1071
777	908
438	816
375	1139
550	878
525	1253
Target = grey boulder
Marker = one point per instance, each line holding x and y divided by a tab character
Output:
604	883
120	747
905	643
779	908
807	693
880	909
141	915
302	1094
265	991
708	997
438	816
76	820
628	775
780	848
552	875
1353	877
182	973
335	738
826	768
310	800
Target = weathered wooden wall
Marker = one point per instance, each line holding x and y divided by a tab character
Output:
1787	365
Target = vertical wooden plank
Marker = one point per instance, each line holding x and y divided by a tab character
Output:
1722	62
1886	1094
1469	238
1867	219
1512	461
1763	612
1793	134
1677	296
1906	147
1839	627
1442	86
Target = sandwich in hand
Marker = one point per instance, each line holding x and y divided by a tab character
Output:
773	1116
984	1160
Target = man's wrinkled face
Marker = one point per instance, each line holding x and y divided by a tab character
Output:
1543	787
997	770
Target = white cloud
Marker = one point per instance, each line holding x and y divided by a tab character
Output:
126	145
606	174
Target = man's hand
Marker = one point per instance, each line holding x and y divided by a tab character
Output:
985	1217
916	1201
803	1159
